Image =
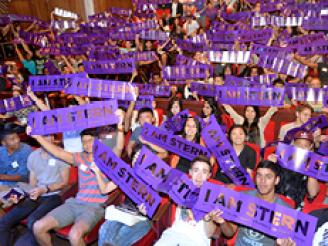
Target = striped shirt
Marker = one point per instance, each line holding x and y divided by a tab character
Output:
88	186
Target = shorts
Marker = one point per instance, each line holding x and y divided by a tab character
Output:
73	211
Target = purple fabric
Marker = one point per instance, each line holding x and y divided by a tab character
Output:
101	88
231	80
121	11
103	53
270	50
238	16
316	24
241	208
15	103
285	66
110	66
235	57
302	161
52	82
175	123
153	35
175	144
52	69
50	50
222	36
185	72
73	118
64	24
144	101
262	35
190	46
294	42
155	90
208	90
318	48
138	26
266	96
140	56
226	156
123	36
125	178
310	126
263	79
39	39
305	94
323	149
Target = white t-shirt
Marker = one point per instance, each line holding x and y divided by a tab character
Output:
174	9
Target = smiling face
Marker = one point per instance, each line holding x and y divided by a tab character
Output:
250	113
87	142
266	180
175	109
199	172
237	136
191	128
207	110
304	115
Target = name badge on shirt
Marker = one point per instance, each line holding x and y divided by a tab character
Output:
52	162
84	168
15	164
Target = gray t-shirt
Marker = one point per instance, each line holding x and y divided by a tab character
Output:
249	237
46	168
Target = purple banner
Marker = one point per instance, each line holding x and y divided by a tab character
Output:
270	50
103	53
208	90
190	46
165	179
101	88
140	56
64	24
302	161
266	79
244	209
125	178
121	11
39	39
155	90
73	118
15	103
175	144
305	94
260	96
139	26
52	82
318	48
144	101
222	36
305	39
153	35
176	123
285	66
220	147
52	69
235	57
185	72
110	66
318	24
255	35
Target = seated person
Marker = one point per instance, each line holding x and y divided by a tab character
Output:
267	177
48	176
86	209
145	115
13	159
185	231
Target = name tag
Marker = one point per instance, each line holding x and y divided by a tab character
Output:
84	168
52	162
15	164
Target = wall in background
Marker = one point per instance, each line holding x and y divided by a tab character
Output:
43	8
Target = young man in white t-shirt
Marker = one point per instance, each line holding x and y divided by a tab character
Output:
185	231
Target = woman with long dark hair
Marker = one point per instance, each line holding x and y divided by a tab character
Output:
174	107
253	123
209	108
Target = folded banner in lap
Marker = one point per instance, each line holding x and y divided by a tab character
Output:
155	90
101	88
186	72
285	66
239	57
220	147
303	161
73	118
52	82
269	218
15	104
175	144
176	123
125	178
260	96
110	66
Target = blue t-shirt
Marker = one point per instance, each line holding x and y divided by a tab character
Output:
30	66
14	164
249	237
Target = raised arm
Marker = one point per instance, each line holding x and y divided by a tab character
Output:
238	119
39	103
305	62
19	53
51	148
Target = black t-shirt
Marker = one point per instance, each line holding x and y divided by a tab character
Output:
323	73
247	159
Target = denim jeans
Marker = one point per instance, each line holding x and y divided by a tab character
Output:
118	234
32	210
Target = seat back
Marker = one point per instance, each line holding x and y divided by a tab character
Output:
269	132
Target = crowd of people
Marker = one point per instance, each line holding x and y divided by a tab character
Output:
41	165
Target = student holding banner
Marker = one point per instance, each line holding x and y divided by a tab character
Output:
85	210
267	178
185	231
252	121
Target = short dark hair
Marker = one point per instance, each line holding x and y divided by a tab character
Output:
6	132
304	106
234	127
275	168
89	131
201	158
145	110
